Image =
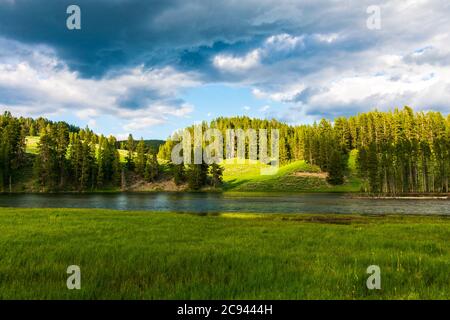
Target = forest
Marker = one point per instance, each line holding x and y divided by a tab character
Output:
398	152
72	159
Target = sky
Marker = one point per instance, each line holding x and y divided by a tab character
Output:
152	67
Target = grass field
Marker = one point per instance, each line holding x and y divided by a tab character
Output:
247	177
145	255
31	143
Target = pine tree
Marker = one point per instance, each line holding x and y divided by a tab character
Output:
46	163
61	144
178	173
216	175
336	169
130	154
151	168
141	159
197	175
32	131
12	149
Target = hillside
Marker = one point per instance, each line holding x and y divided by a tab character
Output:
297	176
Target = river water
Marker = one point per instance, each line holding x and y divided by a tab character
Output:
228	202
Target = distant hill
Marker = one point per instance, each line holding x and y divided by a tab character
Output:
152	144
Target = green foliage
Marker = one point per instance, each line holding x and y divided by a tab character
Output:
178	173
109	167
402	151
336	168
140	159
130	145
197	175
216	172
151	167
394	152
46	166
12	150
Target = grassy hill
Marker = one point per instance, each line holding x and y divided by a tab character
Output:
32	147
297	176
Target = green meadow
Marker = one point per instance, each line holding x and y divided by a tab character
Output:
148	255
297	176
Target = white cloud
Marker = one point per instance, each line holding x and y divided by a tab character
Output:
232	63
142	123
283	42
272	45
328	38
38	84
286	94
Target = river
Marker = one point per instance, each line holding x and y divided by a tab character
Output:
229	202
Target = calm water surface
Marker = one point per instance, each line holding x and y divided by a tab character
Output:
217	202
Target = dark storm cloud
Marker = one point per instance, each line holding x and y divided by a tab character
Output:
113	32
120	32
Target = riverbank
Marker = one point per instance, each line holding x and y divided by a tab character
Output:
148	255
404	197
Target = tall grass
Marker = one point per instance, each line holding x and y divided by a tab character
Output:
145	255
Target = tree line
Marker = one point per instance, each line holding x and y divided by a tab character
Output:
399	151
72	159
84	161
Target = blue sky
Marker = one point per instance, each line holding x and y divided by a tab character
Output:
151	67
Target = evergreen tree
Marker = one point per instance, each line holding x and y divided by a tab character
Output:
141	159
46	163
336	168
61	146
12	149
178	173
216	175
130	154
197	175
151	168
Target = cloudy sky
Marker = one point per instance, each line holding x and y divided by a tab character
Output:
151	67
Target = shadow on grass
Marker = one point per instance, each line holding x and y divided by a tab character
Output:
234	183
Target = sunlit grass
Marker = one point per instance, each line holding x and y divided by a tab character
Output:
32	147
31	144
147	255
247	177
